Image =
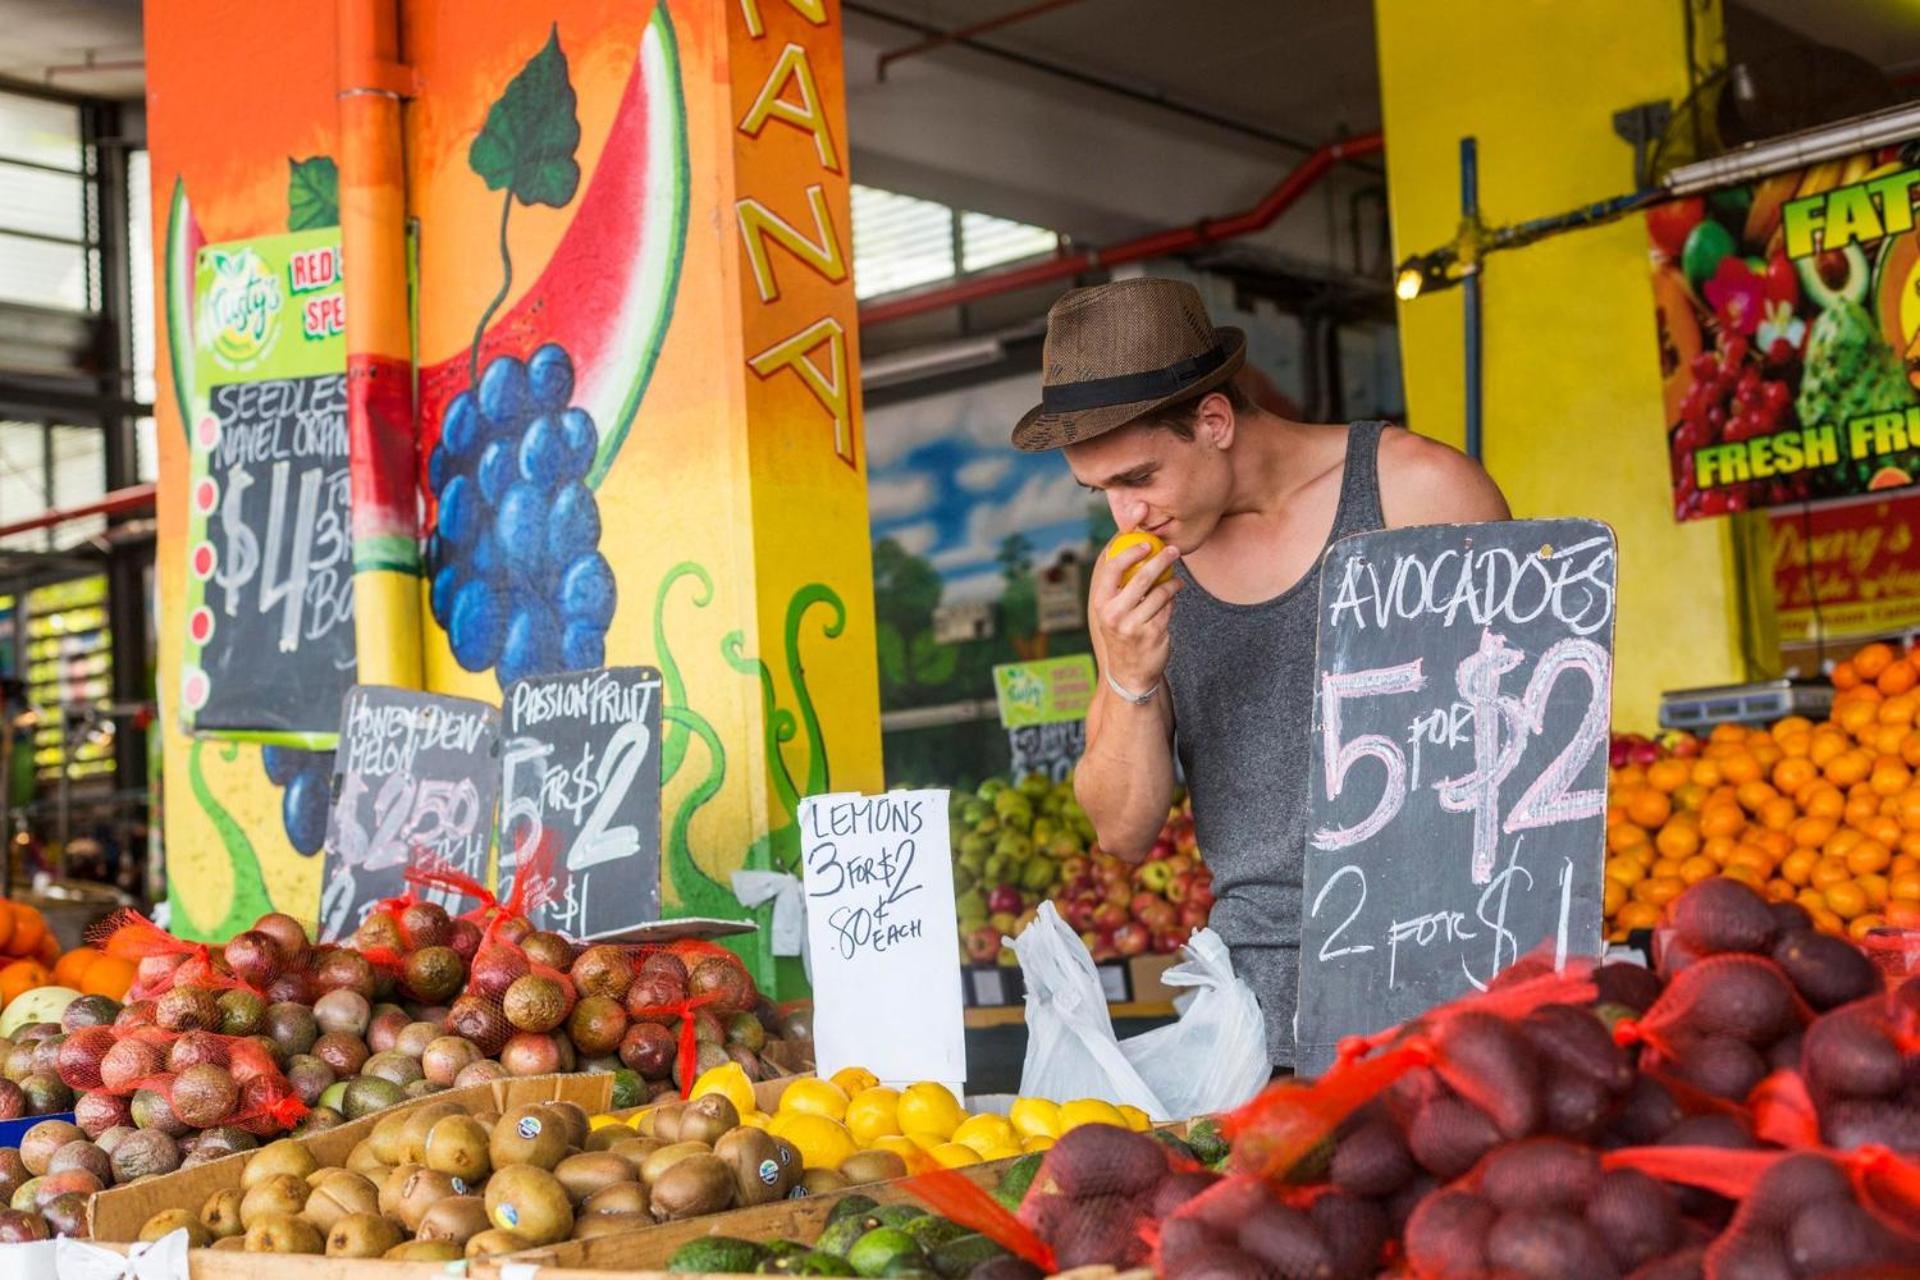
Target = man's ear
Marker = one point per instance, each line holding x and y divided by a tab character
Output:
1214	420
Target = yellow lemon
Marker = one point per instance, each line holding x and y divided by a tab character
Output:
1137	1120
822	1143
756	1120
984	1132
928	1107
1035	1117
873	1113
1134	538
729	1081
1038	1142
1089	1111
854	1080
815	1098
925	1141
904	1147
951	1155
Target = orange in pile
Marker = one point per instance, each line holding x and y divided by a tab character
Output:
1826	815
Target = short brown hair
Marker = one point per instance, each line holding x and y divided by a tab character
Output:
1179	416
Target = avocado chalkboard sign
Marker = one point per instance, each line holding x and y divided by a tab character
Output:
269	645
415	777
580	779
1458	788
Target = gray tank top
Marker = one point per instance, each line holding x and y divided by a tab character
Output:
1242	679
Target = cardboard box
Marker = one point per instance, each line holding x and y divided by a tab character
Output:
119	1213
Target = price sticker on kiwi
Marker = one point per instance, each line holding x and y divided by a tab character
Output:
881	935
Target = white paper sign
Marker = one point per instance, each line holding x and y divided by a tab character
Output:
882	936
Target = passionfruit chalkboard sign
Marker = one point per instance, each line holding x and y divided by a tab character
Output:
1459	767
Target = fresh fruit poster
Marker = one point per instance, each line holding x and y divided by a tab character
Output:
1845	570
1788	312
637	434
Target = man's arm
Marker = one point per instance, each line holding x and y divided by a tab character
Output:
1425	482
1125	776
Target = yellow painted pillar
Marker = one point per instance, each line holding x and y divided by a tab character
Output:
1574	421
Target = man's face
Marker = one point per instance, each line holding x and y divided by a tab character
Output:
1154	480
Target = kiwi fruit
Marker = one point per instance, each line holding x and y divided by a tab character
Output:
457	1145
363	1235
584	1174
662	1122
758	1175
707	1119
284	1233
530	1202
392	1185
364	1159
456	1219
424	1251
283	1193
603	1138
636	1150
873	1166
579	1125
384	1139
617	1199
655	1166
338	1194
494	1241
698	1183
221	1213
820	1182
168	1221
529	1135
417	1123
420	1192
284	1156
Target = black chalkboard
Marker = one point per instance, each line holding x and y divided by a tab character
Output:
415	777
1459	766
275	628
580	768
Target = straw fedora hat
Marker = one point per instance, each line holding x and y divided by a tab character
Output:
1117	351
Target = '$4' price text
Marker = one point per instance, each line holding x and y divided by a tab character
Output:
878	883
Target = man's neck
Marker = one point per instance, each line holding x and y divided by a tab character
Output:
1272	460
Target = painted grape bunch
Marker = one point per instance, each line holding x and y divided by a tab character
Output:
519	583
306	778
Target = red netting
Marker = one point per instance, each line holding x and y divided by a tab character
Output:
1095	1194
1715	1025
1245	1226
1801	1214
1895	952
964	1202
157	955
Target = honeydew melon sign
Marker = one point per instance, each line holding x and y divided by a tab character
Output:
1459	768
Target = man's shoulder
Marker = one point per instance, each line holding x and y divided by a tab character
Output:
1423	481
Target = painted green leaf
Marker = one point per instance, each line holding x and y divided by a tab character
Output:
892	653
313	193
532	129
932	661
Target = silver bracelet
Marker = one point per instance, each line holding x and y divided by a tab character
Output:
1137	699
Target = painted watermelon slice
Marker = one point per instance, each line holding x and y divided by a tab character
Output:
606	294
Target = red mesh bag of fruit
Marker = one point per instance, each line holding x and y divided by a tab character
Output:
1894	952
1801	1214
160	960
686	1005
208	1095
1547	1207
1207	1225
1861	1064
1722	1024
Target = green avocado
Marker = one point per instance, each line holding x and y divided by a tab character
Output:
852	1206
1208	1143
717	1254
932	1232
897	1215
807	1262
841	1236
957	1258
880	1250
1015	1181
1853	288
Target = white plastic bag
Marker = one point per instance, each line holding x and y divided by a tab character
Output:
1071	1050
1213	1059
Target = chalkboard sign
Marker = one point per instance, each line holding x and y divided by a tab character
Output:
1459	766
269	610
1050	749
881	934
580	767
415	777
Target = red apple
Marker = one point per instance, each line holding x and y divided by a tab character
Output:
1002	921
1005	898
1109	915
1119	895
1202	896
983	944
1180	888
1179	864
1142	901
1193	916
1158	914
1079	914
1072	868
1132	939
1168	941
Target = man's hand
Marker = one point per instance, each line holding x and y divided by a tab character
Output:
1134	617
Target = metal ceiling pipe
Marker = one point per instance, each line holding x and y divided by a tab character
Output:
1299	180
138	497
958	34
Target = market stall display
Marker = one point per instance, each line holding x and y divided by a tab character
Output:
1826	815
1018	844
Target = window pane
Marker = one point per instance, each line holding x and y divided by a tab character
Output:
33	200
987	241
898	242
42	274
40	131
146	450
23	479
140	276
